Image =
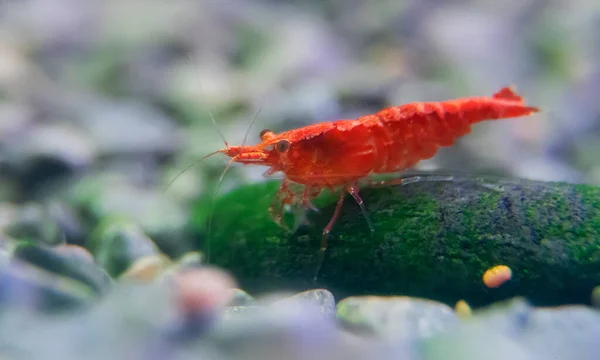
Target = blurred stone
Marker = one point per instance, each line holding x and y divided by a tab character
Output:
68	221
6	243
127	128
147	268
596	297
76	252
23	285
78	267
236	310
60	142
473	342
509	317
117	244
462	309
35	223
564	332
297	331
17	121
240	298
8	214
203	290
321	298
190	260
14	63
395	317
107	195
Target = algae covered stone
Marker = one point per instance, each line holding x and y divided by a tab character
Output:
432	240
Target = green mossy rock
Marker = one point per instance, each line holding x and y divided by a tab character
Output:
432	239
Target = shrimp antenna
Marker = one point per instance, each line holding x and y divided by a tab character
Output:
214	122
189	167
212	208
251	123
212	119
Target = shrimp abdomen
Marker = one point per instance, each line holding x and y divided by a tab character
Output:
414	132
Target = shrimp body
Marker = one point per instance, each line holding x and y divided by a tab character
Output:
338	154
332	154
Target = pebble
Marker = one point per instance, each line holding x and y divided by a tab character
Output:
496	276
398	317
117	244
203	290
147	268
463	310
320	298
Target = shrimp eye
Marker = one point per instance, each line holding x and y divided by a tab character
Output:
264	132
283	145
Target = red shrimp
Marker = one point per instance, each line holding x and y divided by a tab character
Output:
336	155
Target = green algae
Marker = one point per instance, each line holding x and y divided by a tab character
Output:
431	239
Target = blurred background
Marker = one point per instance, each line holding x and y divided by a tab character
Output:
102	103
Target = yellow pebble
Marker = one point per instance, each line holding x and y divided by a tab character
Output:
596	296
147	268
462	309
496	276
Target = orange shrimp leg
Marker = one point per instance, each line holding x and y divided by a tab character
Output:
332	221
284	196
326	230
353	190
310	192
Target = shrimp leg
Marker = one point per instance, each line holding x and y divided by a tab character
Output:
287	196
326	231
353	190
310	192
284	196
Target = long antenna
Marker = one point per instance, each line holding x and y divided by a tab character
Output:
212	118
251	123
212	207
187	168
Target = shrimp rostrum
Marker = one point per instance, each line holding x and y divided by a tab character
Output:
336	155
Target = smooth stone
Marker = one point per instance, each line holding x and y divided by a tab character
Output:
563	332
34	222
78	268
470	341
147	268
596	297
320	298
25	286
397	317
76	252
118	244
241	298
